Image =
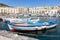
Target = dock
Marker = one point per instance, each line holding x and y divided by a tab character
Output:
5	35
8	35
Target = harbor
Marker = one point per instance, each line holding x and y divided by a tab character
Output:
53	33
44	33
29	19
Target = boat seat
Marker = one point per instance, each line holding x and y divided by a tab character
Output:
22	24
17	22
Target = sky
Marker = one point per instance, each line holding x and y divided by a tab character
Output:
30	3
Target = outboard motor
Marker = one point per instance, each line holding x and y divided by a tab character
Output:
1	20
7	22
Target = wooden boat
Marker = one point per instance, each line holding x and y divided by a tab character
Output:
30	26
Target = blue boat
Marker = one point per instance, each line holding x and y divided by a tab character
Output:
30	26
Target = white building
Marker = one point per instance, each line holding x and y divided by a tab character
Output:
52	12
43	11
8	10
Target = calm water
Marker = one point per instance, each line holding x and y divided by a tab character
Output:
53	34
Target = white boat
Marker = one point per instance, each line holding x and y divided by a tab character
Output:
30	26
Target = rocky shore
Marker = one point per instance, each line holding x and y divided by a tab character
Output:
5	35
4	38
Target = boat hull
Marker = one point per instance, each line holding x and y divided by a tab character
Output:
31	29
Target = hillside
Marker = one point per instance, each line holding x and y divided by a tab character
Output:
4	5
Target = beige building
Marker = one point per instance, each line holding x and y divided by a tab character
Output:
23	9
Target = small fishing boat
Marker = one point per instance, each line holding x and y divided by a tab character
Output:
30	26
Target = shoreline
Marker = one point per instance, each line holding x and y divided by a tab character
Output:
4	38
5	35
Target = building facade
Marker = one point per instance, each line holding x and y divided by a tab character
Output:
8	10
43	11
47	10
23	9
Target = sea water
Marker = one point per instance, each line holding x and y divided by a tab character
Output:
53	34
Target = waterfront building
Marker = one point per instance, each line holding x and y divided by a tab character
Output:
43	11
36	11
23	9
8	10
